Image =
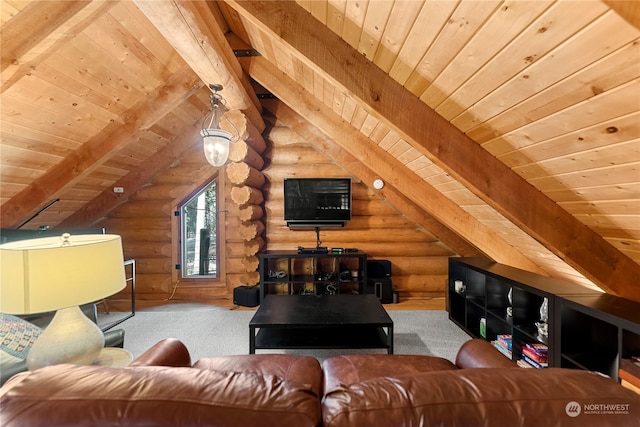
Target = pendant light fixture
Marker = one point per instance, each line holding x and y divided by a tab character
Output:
216	140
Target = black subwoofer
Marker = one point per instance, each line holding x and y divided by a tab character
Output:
246	296
381	287
379	268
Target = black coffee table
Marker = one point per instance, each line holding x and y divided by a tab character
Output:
320	322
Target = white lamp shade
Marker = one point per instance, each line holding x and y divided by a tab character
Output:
216	145
40	275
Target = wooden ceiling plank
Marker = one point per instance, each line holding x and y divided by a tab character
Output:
192	30
611	176
606	133
610	72
38	30
44	98
428	24
403	183
17	112
495	183
594	42
97	150
584	161
143	31
374	25
75	86
507	22
129	50
618	102
561	21
400	24
83	59
336	15
458	30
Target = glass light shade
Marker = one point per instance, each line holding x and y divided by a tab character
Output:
40	275
216	146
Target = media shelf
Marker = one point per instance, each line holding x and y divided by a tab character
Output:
481	310
293	273
598	332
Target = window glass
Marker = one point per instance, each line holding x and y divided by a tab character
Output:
199	234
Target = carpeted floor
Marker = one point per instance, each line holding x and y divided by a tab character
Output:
209	331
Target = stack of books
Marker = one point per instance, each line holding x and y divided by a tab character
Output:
629	373
534	355
503	344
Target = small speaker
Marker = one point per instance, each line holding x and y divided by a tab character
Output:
382	288
246	296
379	268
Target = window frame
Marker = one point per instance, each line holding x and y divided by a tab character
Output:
181	232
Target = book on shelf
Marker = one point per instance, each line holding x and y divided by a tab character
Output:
533	363
629	374
537	357
502	349
524	364
505	340
537	347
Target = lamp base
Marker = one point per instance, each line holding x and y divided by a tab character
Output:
71	337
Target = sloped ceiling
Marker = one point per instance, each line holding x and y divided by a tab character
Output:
514	126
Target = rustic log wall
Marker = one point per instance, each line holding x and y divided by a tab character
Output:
252	214
419	260
149	231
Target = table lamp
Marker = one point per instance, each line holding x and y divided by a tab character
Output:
61	273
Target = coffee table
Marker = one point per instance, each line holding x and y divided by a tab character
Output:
320	322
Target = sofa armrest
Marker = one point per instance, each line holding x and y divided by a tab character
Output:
478	353
168	352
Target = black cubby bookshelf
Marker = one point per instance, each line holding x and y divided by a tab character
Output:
293	273
598	332
572	324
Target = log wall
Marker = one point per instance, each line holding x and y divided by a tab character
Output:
419	260
251	215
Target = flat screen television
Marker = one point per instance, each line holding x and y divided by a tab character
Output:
317	202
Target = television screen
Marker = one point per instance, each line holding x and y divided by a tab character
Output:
317	200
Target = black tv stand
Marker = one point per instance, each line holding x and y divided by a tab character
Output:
313	273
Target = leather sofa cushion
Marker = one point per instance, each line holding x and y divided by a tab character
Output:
156	396
302	370
353	369
480	397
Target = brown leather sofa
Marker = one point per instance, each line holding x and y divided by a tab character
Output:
162	388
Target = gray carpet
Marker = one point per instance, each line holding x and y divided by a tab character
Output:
209	331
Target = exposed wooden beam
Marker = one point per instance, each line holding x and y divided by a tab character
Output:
446	146
358	153
100	148
50	24
628	9
192	29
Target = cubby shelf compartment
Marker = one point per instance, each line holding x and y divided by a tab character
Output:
292	273
487	285
598	331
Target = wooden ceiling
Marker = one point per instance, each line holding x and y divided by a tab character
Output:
513	125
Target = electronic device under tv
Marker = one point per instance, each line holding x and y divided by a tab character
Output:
317	202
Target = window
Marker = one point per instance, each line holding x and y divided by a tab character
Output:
199	229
